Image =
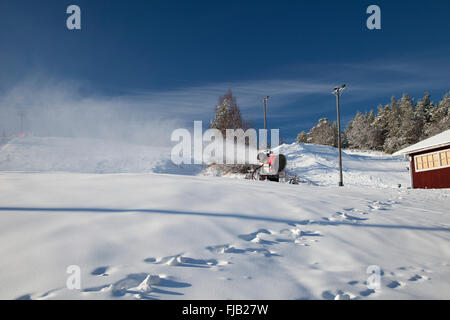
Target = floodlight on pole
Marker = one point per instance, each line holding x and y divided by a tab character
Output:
265	119
337	91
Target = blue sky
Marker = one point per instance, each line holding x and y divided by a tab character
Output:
174	58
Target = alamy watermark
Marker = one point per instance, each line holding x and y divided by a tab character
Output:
237	147
374	20
73	282
73	21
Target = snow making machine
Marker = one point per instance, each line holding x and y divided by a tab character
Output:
270	168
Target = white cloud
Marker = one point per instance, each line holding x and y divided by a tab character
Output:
54	107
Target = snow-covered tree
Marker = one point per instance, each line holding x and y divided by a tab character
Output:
302	137
408	132
228	114
422	114
323	133
395	126
439	117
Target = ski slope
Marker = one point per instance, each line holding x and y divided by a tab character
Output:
360	168
139	234
86	155
82	155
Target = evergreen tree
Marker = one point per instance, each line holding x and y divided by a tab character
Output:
335	134
439	117
409	132
354	131
323	133
302	137
421	115
381	124
228	114
394	120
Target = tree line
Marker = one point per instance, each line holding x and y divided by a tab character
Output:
392	127
395	126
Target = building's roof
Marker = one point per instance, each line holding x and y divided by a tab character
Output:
440	140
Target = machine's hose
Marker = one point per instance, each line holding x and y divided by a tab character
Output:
254	171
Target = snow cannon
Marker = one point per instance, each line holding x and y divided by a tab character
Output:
271	166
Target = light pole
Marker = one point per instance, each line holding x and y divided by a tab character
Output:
337	91
265	120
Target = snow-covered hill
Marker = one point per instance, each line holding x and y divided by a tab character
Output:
312	162
86	155
147	235
43	154
360	168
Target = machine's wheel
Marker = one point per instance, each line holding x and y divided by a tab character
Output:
273	178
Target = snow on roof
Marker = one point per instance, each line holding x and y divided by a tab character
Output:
440	140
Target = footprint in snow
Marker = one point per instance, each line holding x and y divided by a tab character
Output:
254	235
378	205
418	274
180	261
341	295
141	286
310	234
354	210
347	217
222	249
327	295
418	277
100	271
394	284
367	292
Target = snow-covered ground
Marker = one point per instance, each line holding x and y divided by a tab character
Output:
361	168
140	234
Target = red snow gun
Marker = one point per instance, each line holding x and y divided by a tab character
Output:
271	166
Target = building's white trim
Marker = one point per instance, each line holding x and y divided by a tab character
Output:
411	171
438	141
424	149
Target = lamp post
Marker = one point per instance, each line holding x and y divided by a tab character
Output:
265	120
337	91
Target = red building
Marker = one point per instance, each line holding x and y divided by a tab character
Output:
429	162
